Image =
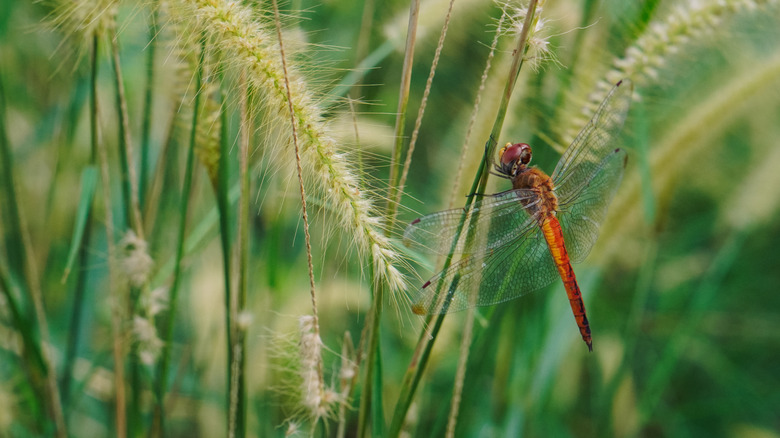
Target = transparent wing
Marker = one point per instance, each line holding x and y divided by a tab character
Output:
584	156
494	220
582	215
496	275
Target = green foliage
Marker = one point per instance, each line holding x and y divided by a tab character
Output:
153	271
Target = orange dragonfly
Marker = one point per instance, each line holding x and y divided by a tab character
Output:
520	240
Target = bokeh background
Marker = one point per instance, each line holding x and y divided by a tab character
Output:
681	288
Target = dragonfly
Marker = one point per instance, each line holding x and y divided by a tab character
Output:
523	239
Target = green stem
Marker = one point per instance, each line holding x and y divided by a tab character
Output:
127	171
79	302
427	337
13	228
225	236
239	352
367	396
146	124
183	213
403	103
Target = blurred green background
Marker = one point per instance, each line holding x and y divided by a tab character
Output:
681	288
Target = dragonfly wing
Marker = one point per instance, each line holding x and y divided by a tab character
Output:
583	157
492	221
494	276
583	211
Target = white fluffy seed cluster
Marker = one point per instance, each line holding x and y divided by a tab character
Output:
135	263
253	50
538	41
149	344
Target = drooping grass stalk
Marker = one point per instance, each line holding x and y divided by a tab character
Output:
146	123
421	110
433	322
162	373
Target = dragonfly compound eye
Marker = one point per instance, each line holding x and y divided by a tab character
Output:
518	151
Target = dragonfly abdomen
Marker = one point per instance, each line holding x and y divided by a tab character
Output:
554	237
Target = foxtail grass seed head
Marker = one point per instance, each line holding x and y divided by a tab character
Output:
686	23
208	132
81	19
249	45
135	263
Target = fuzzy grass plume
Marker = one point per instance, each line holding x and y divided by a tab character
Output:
251	48
685	24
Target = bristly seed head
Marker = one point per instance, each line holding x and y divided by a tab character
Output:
252	49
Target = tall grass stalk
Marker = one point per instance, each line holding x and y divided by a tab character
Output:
372	398
319	397
403	102
421	111
225	238
460	374
126	158
148	105
163	368
475	107
433	323
238	401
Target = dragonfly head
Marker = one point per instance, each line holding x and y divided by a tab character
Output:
513	158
